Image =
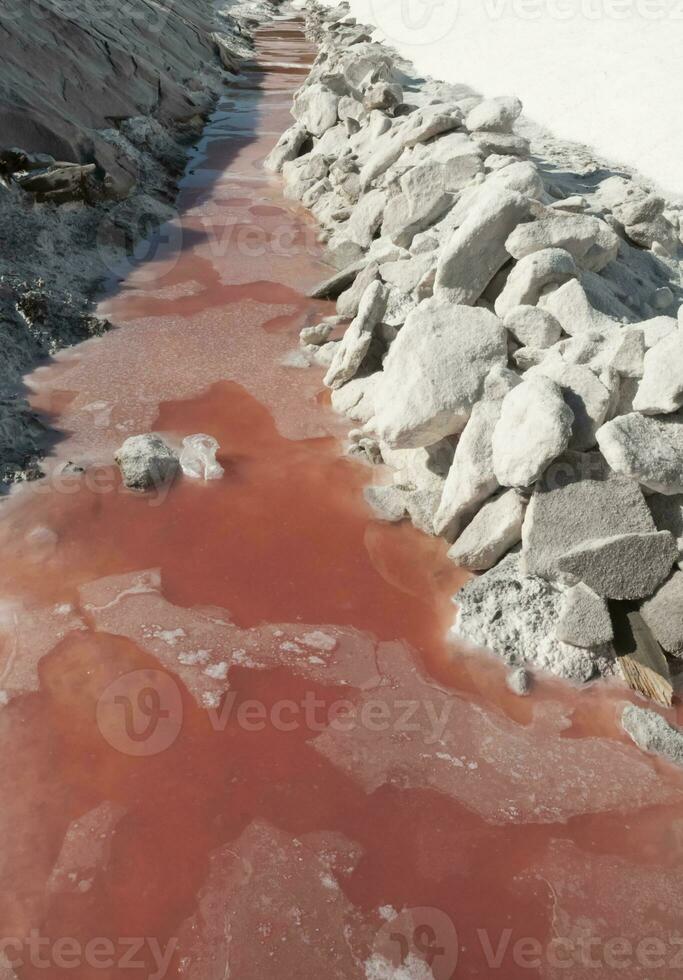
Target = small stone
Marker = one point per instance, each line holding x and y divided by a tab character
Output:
652	733
624	566
532	326
356	341
147	462
317	334
388	503
519	681
585	619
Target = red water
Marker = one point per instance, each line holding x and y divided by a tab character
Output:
236	742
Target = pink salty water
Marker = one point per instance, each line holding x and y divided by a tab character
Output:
235	739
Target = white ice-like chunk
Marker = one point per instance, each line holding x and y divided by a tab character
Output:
198	458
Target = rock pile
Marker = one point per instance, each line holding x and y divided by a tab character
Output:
513	351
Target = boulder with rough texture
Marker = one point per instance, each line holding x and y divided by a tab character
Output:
470	479
663	613
519	681
571	308
646	448
366	218
476	250
287	148
531	275
422	201
624	566
652	733
591	242
356	341
435	372
495	529
585	395
501	143
532	326
661	389
514	615
667	513
382	95
579	500
146	462
496	115
348	302
585	619
535	426
316	108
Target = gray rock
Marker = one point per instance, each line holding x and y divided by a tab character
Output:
514	615
476	250
147	462
356	341
471	479
535	426
663	613
661	389
667	513
429	122
624	566
652	733
338	282
585	619
532	326
521	176
495	529
406	275
382	95
422	201
531	275
503	143
519	681
578	500
494	115
435	372
646	448
387	502
591	242
621	351
587	398
366	218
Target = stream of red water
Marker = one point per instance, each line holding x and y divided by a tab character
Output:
235	740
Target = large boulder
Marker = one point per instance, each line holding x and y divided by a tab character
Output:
579	500
496	115
316	108
471	479
476	250
646	448
435	372
535	426
591	242
585	395
661	389
147	462
358	337
624	566
495	529
422	201
533	274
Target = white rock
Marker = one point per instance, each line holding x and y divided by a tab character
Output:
531	275
661	390
532	326
571	308
476	250
316	108
535	426
591	242
348	302
366	218
521	176
435	372
471	478
652	733
656	329
422	201
646	448
585	395
495	529
356	341
495	115
286	149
